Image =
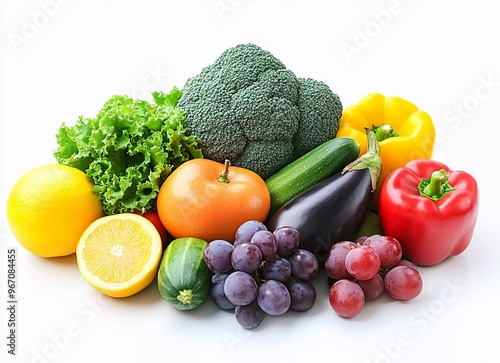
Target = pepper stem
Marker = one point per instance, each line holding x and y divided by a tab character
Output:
437	186
370	160
384	131
223	177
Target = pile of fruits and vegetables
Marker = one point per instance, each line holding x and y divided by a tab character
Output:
241	186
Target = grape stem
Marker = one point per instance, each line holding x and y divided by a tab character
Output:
256	275
383	271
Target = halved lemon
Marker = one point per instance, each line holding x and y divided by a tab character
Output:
119	255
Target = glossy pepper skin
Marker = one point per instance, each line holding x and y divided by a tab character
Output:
430	209
404	132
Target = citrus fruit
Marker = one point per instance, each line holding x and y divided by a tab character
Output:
119	255
209	200
49	207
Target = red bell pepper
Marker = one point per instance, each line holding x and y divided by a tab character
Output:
429	209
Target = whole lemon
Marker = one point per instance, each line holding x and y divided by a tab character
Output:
49	208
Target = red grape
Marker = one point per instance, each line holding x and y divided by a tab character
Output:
373	287
407	263
403	283
335	262
360	271
388	248
362	262
346	298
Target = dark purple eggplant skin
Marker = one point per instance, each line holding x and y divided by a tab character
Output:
331	211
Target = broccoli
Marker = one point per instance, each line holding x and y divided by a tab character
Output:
247	107
320	112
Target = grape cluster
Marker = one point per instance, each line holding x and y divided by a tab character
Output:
262	272
362	270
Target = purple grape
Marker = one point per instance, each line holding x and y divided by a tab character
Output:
249	316
217	292
302	294
266	242
288	239
277	268
273	297
246	257
217	256
240	288
304	264
246	230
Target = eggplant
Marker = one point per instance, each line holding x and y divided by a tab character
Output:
333	210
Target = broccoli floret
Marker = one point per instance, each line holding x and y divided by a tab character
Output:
320	112
247	107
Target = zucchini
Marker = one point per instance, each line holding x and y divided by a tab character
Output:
183	277
311	168
333	210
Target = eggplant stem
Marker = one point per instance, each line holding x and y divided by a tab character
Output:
370	160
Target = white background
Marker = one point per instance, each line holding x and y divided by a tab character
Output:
62	59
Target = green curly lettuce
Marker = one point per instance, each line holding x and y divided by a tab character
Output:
129	149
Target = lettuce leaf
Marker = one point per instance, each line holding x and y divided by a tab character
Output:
129	149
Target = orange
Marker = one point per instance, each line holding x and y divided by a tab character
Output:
208	200
119	255
49	207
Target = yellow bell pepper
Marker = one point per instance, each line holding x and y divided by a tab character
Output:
404	132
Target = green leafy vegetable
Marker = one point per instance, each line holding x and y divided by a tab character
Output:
129	149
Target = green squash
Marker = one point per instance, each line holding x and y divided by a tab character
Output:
183	277
318	164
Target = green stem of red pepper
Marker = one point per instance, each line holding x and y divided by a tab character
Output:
384	131
437	186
